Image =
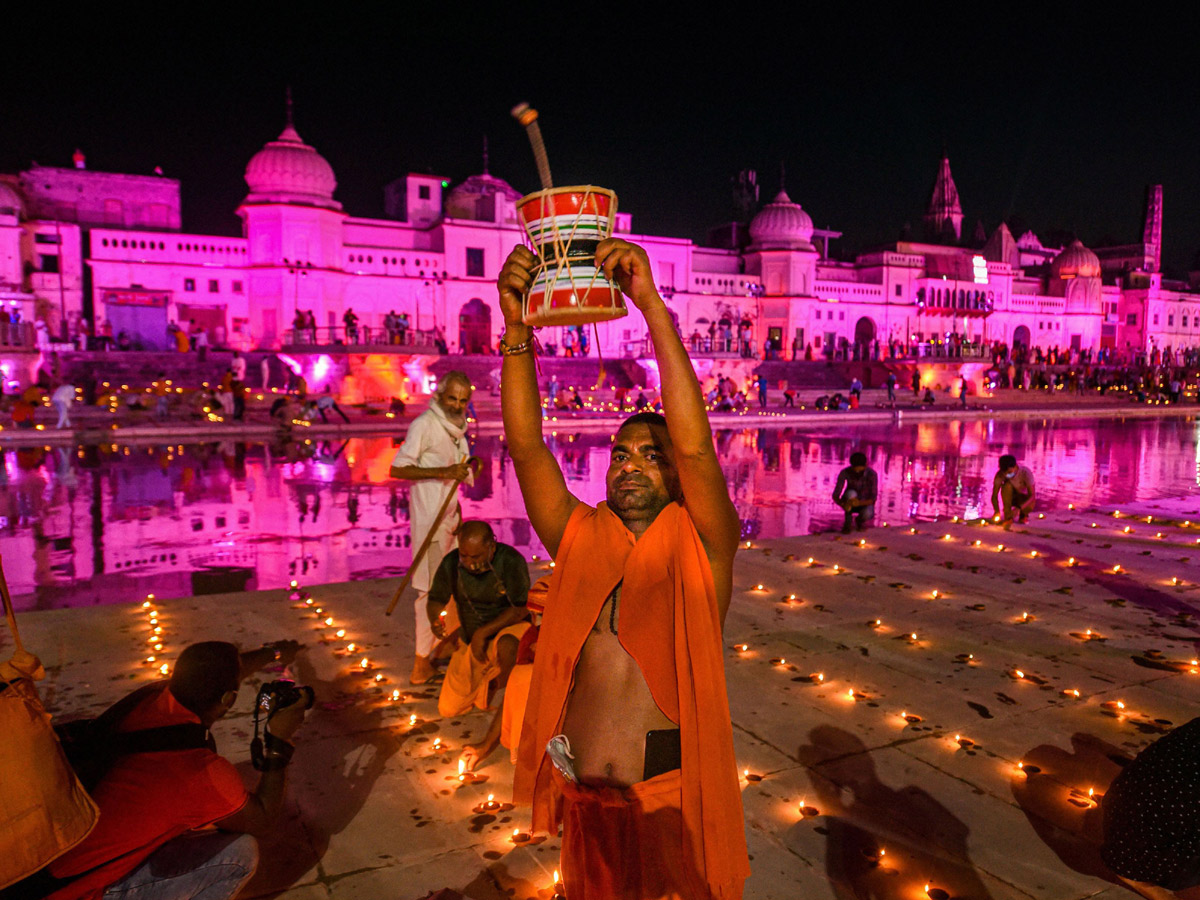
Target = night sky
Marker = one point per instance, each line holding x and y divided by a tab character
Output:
1054	120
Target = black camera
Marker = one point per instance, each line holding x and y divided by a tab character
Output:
272	697
275	695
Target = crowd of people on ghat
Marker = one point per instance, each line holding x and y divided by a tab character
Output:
604	682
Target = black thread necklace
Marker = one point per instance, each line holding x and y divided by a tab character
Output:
612	609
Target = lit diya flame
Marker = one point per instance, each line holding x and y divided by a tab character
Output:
1116	569
758	587
164	668
341	632
365	662
999	548
977	543
1071	561
329	621
1018	673
350	647
1033	553
308	601
519	836
945	537
379	677
412	720
934	594
146	605
395	695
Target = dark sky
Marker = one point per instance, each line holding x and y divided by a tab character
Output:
1057	119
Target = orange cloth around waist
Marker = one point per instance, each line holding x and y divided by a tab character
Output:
627	843
669	623
468	679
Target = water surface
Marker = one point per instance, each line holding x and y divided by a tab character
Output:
109	524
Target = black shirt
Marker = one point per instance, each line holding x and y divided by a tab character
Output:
1152	808
481	598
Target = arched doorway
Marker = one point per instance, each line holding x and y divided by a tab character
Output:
1021	337
864	334
475	327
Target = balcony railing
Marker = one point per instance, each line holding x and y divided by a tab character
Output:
363	336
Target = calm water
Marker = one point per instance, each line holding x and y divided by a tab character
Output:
104	525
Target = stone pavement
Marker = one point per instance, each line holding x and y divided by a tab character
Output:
913	779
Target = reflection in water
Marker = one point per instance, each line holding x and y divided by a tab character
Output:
109	524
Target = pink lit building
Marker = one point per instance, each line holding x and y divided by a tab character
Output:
97	247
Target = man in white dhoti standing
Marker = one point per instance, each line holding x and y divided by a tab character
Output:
434	457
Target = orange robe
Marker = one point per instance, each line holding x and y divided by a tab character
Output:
669	623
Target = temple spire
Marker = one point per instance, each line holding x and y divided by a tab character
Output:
943	220
1152	226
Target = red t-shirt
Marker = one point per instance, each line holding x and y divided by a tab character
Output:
145	800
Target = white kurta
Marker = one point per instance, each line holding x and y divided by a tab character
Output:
430	444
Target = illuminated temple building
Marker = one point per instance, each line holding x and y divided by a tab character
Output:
100	248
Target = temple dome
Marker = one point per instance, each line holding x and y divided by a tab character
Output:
781	225
11	205
287	170
1076	261
475	197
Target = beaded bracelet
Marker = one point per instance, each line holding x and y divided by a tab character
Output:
524	347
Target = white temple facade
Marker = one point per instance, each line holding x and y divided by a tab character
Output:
96	248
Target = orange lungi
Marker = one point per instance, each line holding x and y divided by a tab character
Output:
684	825
627	842
516	695
468	679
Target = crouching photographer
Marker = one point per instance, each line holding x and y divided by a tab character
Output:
161	780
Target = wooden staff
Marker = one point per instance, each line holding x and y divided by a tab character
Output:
420	554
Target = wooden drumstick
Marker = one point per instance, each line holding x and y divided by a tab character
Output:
527	116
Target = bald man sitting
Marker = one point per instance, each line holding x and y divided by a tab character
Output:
489	582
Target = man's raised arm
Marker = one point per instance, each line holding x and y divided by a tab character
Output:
547	500
704	489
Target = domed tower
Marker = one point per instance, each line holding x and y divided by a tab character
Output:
1075	275
483	198
287	170
781	249
293	229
